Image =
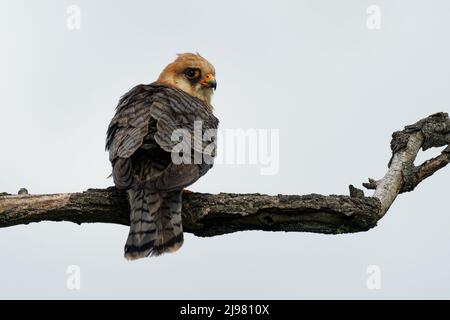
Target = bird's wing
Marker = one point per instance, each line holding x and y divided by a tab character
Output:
158	111
178	114
129	125
171	108
176	110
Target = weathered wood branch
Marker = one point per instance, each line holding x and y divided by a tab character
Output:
209	215
403	175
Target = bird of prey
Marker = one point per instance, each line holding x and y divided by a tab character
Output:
141	144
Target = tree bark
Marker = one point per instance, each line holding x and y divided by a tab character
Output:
209	215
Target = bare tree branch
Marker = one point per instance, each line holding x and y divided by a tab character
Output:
209	215
402	175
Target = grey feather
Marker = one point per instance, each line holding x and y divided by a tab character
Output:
139	140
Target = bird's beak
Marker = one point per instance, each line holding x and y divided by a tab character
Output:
208	81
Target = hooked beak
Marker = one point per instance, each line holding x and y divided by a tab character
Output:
208	81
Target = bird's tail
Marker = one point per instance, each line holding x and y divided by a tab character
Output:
155	223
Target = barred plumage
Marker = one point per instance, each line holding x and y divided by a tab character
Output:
140	145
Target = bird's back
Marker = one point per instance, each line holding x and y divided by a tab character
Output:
140	143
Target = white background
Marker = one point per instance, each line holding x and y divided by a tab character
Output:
312	69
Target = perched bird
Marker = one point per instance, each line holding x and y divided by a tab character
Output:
141	144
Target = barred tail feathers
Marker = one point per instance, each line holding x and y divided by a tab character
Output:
155	223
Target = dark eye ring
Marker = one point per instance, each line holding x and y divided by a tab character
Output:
192	73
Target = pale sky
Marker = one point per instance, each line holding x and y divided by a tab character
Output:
335	90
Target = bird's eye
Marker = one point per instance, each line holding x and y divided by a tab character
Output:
192	73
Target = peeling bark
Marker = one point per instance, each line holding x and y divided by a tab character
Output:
210	215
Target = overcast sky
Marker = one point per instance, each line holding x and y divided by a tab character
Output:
333	87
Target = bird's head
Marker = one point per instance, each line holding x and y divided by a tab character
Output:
193	74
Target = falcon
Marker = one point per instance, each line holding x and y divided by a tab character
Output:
142	144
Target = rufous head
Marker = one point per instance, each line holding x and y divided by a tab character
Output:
193	74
